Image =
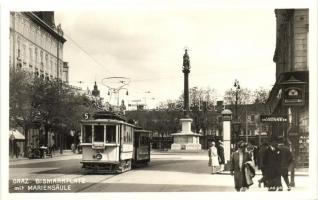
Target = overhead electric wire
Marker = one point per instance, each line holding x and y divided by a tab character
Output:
84	51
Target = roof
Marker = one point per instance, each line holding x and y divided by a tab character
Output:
16	135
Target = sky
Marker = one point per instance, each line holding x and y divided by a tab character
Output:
147	47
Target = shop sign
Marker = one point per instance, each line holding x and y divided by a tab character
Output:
273	119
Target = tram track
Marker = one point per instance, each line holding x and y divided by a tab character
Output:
93	184
107	178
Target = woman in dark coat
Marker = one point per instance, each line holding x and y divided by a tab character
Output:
220	150
238	159
272	161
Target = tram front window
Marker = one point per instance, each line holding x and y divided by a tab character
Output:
87	134
110	134
98	133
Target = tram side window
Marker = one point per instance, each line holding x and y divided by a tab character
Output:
144	141
87	134
98	133
127	135
110	134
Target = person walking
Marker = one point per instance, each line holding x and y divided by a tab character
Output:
214	158
287	159
220	150
73	148
238	160
261	166
272	163
17	150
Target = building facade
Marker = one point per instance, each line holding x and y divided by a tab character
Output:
36	45
289	97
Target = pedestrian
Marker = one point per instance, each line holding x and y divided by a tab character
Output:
17	150
272	164
261	165
210	157
287	159
73	147
255	154
214	158
241	163
220	150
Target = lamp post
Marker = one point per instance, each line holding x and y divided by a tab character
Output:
116	91
115	84
237	88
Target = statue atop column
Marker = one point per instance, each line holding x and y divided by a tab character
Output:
186	140
186	60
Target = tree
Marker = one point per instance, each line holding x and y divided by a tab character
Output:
244	96
261	95
23	110
35	103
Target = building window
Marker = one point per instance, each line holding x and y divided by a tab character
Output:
41	59
36	56
51	66
31	54
23	52
46	62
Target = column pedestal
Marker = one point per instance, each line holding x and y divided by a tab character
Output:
186	140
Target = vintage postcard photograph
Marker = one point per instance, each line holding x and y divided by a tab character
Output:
159	100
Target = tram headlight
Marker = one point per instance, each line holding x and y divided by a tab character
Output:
99	156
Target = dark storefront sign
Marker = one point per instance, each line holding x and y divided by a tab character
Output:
294	96
293	92
273	119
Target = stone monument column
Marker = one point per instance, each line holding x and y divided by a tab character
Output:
186	139
186	71
226	116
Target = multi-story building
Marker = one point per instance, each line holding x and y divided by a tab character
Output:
289	97
36	45
249	126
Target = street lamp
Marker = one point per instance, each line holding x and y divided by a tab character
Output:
116	91
237	88
115	84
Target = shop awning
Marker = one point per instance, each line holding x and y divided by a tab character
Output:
16	135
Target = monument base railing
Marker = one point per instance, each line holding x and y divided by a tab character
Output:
186	147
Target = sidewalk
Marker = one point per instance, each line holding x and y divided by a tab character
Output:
202	155
67	154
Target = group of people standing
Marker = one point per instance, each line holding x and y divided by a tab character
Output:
272	159
274	162
216	157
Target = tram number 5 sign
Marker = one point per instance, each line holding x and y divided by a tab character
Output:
86	115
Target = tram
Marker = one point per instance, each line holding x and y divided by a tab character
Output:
112	145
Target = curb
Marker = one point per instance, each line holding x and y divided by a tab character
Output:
259	173
36	159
